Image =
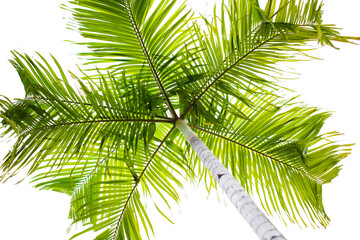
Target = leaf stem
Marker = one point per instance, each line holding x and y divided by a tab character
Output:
258	152
98	121
138	181
189	107
151	64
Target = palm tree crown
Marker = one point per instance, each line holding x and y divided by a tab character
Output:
108	137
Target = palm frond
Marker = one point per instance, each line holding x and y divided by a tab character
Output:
54	114
279	154
108	198
96	143
135	35
241	48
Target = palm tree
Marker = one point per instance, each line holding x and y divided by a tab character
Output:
112	137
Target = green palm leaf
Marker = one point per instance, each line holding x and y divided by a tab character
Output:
53	113
280	155
87	143
109	199
140	40
244	55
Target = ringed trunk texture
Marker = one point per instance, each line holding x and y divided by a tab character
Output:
261	225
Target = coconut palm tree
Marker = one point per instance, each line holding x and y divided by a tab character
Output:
166	92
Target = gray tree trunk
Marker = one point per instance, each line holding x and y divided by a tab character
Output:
261	225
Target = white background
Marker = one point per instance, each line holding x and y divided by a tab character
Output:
332	84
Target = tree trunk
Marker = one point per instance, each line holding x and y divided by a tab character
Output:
261	225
